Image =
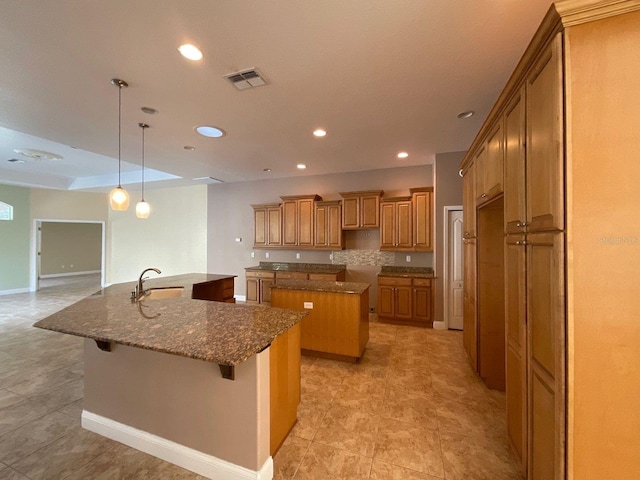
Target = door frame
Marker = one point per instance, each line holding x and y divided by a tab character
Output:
444	325
34	284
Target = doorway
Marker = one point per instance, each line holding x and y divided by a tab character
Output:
67	251
453	268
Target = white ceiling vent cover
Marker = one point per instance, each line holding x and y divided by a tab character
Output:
246	79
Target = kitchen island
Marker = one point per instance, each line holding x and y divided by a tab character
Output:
187	380
337	326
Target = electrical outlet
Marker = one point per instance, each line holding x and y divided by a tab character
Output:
308	305
253	254
408	258
297	256
266	254
331	257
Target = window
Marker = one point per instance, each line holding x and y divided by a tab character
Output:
6	211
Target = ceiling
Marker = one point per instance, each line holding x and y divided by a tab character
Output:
380	76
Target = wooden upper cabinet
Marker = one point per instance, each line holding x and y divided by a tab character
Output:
545	144
480	166
328	228
489	165
515	213
422	200
395	224
298	220
469	201
267	225
361	209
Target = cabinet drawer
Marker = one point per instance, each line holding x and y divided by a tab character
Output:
255	274
394	281
291	275
330	277
421	282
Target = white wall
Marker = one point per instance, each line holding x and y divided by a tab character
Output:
172	239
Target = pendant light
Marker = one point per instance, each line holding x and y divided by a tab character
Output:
143	208
119	198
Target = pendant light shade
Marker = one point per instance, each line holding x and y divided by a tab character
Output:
143	209
119	198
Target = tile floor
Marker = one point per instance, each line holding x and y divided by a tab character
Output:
412	409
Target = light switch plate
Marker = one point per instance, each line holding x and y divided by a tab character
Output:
266	254
298	256
408	258
253	254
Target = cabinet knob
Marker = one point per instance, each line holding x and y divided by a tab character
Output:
523	242
484	195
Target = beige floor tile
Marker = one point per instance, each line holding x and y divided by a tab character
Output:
387	471
65	455
410	446
74	410
42	383
310	415
322	462
470	459
8	398
168	471
288	459
411	407
349	429
366	397
11	474
32	436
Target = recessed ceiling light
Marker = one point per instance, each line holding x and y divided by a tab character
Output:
37	154
266	169
190	51
467	114
301	166
189	147
403	155
319	132
208	131
149	110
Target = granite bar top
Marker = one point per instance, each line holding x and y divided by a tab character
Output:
408	272
299	267
223	333
321	286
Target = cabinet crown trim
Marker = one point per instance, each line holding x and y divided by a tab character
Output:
265	205
575	12
396	199
302	197
420	189
358	194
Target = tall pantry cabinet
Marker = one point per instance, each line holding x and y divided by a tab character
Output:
571	130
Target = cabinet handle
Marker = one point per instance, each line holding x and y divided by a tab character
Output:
484	195
523	242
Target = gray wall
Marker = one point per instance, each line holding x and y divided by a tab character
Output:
230	215
448	192
70	247
14	240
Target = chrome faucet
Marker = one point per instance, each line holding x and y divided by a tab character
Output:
139	291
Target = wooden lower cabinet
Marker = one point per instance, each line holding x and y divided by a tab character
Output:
217	290
284	385
259	286
470	314
405	300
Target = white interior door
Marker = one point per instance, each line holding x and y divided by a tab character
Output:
455	270
38	254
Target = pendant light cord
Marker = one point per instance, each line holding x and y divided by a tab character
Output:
143	129
119	131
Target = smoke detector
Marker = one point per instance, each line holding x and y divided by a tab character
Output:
246	79
37	154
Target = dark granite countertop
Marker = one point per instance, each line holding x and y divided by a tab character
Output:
408	272
298	267
321	286
224	333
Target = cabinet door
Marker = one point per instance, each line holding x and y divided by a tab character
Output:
334	229
546	340
404	237
350	213
321	219
516	351
469	201
545	145
422	304
260	227
403	303
370	211
515	213
253	290
470	330
480	164
386	301
423	221
274	222
290	223
305	222
387	225
265	290
494	165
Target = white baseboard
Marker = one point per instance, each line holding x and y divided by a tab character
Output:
15	290
69	274
185	457
240	298
439	326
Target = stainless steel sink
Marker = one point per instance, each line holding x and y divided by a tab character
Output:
162	292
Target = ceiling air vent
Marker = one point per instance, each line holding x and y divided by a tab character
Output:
15	160
246	79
